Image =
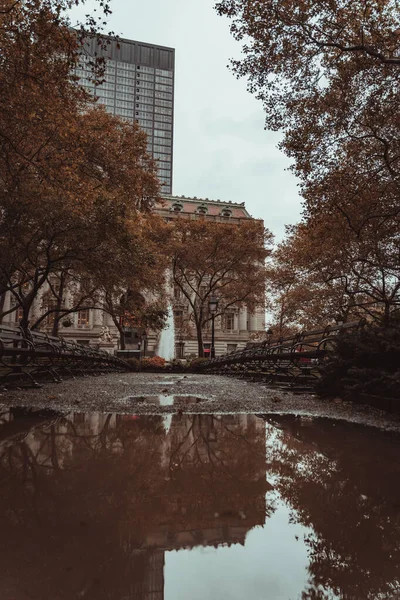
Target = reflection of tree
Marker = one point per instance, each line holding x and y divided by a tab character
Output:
88	504
343	481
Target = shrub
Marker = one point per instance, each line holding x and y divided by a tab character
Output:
196	363
149	363
134	363
178	365
365	362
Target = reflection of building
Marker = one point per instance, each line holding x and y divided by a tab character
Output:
126	490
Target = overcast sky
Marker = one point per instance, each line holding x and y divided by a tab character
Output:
221	150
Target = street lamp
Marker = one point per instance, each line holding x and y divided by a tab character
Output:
212	307
144	340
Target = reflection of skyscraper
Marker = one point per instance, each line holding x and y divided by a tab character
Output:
124	491
139	86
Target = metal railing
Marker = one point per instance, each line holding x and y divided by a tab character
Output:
26	354
292	361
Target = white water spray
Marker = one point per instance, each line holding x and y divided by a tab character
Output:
166	347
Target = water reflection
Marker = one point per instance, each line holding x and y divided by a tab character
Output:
342	481
91	502
125	507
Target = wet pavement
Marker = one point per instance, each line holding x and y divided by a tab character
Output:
189	506
149	393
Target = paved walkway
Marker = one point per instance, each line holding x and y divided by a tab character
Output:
148	393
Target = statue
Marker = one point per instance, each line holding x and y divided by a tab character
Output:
105	335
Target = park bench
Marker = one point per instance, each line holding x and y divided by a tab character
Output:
293	360
27	354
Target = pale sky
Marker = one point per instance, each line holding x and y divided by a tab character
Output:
221	150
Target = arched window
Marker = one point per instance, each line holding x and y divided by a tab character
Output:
177	206
202	209
226	212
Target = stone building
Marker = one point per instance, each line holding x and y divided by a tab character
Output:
232	330
238	325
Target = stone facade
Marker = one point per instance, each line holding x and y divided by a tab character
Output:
232	330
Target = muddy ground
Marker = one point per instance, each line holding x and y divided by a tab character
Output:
149	393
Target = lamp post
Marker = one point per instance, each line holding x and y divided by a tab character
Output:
144	340
212	307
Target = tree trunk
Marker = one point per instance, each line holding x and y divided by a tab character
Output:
120	331
3	291
386	316
60	297
24	322
199	331
121	339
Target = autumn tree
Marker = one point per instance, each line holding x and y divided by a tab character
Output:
76	184
328	75
321	275
221	259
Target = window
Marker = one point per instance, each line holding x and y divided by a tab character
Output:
164	73
177	293
145	69
163	119
177	206
141	78
166	126
202	209
51	305
146	107
163	80
106	86
165	157
229	321
144	85
124	104
163	111
124	96
125	88
164	95
125	80
231	348
124	112
165	103
180	350
163	146
163	134
163	88
83	318
207	350
19	314
178	318
226	212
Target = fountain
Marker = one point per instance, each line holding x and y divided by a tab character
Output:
166	346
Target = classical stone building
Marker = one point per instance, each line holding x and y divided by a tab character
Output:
238	325
232	330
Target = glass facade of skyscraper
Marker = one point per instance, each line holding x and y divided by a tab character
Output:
139	85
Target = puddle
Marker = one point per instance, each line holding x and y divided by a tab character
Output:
172	507
167	400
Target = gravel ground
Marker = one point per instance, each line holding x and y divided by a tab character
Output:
149	393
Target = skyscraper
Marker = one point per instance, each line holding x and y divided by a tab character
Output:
139	85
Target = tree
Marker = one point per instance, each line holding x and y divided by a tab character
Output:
225	260
322	275
76	184
328	75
